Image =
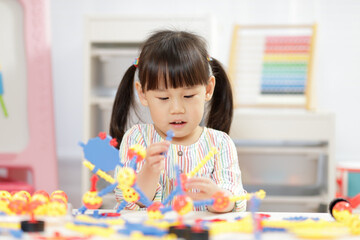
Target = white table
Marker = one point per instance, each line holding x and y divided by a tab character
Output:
57	224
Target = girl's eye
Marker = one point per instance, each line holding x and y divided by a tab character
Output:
189	96
163	98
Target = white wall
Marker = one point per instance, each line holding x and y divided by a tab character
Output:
337	72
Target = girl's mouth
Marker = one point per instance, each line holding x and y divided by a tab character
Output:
178	123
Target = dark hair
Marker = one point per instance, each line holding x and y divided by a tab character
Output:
181	59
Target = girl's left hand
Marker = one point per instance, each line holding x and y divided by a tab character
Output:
205	188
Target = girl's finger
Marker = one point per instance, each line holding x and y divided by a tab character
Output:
155	159
158	148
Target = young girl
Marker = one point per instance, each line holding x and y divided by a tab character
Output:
177	78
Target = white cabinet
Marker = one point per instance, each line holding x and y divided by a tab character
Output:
289	153
111	45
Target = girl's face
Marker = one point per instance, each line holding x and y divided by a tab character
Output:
179	109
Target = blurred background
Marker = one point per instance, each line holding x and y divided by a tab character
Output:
91	44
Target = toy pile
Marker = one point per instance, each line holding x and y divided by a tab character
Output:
40	203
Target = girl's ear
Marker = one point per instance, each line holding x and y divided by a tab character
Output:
210	88
141	94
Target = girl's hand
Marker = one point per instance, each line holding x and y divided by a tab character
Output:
205	188
155	160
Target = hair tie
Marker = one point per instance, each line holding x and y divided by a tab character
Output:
136	62
209	58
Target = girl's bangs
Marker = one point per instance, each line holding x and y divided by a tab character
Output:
173	74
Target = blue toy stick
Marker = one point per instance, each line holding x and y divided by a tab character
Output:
203	202
254	206
121	206
169	136
107	189
166	209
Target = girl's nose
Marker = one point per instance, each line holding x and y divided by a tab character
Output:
177	106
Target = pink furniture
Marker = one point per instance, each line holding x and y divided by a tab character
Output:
35	168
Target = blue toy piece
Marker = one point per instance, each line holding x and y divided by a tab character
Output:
140	227
100	153
169	135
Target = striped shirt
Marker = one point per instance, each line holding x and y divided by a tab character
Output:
223	168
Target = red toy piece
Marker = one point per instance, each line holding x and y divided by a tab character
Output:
182	204
154	210
102	135
220	201
183	181
114	142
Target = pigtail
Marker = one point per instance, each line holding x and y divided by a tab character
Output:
221	105
124	99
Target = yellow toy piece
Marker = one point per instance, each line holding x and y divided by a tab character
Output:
130	195
259	194
118	221
244	225
56	208
99	172
38	208
91	200
126	177
5	194
91	230
212	152
342	216
4	206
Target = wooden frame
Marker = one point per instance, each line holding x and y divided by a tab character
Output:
250	46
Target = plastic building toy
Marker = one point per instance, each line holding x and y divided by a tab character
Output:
91	199
102	147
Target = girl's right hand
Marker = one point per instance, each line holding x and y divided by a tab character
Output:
155	159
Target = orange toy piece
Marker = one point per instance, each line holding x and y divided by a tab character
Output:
220	201
18	206
183	204
38	207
